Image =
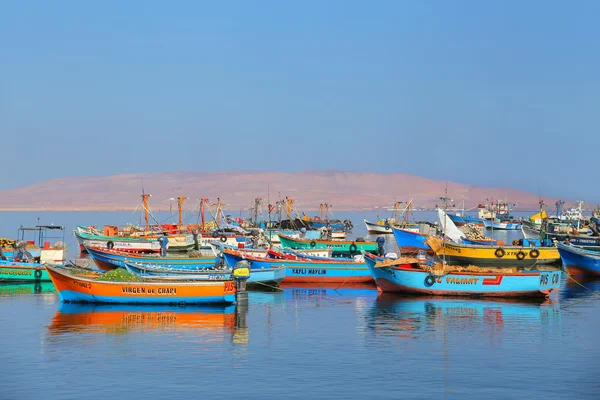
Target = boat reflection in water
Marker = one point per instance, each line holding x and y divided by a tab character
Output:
580	287
12	289
411	316
127	319
329	290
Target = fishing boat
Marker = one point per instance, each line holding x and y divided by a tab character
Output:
37	242
217	248
76	288
337	246
499	224
579	261
124	244
259	278
305	270
399	219
410	242
410	277
491	256
11	271
110	259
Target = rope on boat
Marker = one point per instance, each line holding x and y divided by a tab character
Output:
597	293
267	285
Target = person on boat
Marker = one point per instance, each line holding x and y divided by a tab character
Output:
329	232
2	256
21	253
380	242
164	244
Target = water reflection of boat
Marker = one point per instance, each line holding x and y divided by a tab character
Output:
26	288
403	315
121	319
580	287
299	291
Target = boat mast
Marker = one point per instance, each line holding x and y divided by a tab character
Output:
145	206
180	201
327	212
445	200
203	203
321	211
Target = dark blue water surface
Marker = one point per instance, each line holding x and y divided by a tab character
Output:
300	342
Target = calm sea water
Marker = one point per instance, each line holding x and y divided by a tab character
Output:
300	342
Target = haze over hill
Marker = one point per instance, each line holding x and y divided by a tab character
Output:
348	191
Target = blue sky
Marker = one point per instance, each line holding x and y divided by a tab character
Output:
501	93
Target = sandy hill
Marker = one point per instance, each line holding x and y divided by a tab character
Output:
347	191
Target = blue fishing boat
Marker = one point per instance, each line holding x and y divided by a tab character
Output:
579	261
410	242
304	270
258	278
109	259
463	219
501	224
406	276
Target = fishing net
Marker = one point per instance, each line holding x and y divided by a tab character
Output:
119	275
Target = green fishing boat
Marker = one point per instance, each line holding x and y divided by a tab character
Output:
23	272
337	246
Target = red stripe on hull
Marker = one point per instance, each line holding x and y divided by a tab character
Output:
385	285
409	250
492	281
577	270
336	279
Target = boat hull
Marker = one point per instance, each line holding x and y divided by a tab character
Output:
107	260
410	242
506	226
23	272
337	246
411	280
485	256
129	245
297	271
77	289
578	261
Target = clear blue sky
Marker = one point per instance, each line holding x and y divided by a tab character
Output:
502	93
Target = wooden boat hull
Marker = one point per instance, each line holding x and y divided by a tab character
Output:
337	246
129	245
410	280
107	260
410	242
259	277
486	256
308	271
507	226
578	261
73	288
23	272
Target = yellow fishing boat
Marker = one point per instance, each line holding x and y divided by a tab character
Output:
493	256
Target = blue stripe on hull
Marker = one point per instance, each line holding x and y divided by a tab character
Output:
71	296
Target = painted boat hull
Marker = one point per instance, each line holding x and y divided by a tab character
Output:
72	288
410	242
485	256
506	226
375	228
308	271
130	245
410	280
460	220
578	261
337	246
23	272
259	277
107	260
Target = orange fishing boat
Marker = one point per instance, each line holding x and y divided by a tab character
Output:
74	288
